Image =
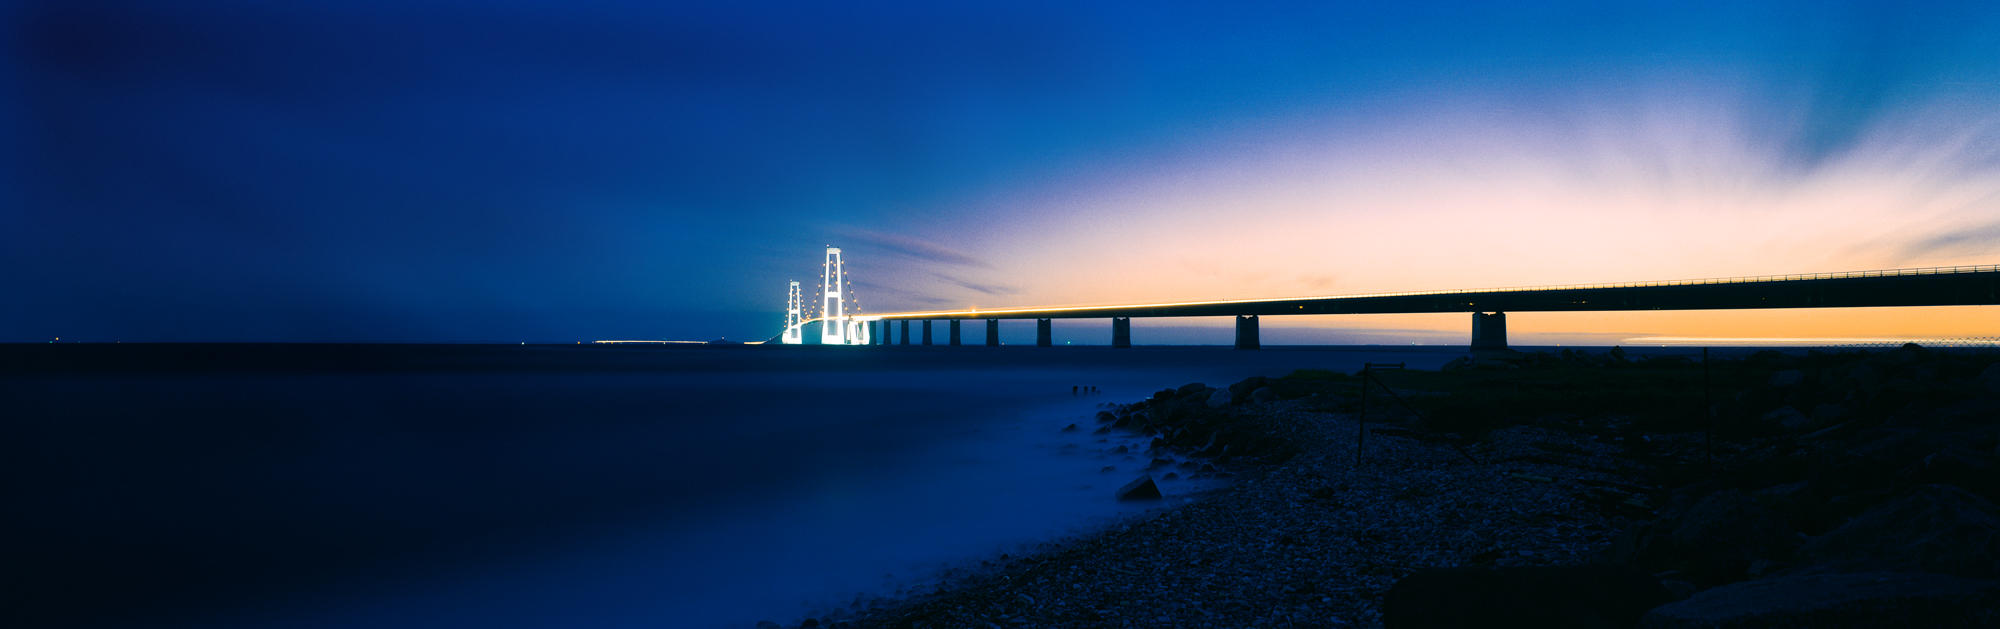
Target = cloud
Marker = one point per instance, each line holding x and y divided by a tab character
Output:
1957	242
997	291
911	247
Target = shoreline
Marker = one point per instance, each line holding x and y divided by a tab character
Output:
1311	541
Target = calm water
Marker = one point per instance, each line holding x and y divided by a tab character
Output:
708	489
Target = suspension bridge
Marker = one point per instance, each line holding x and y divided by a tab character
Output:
1934	286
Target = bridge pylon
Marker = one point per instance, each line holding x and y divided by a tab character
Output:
794	323
837	326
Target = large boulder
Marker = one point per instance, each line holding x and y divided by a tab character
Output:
1786	378
1714	540
1243	388
1190	388
1220	398
1544	597
1933	528
1836	601
1142	489
1787	418
1872	458
1262	395
1988	380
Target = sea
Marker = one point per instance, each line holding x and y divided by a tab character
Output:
667	486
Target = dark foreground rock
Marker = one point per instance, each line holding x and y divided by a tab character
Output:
1837	601
1715	541
1544	597
1142	489
1934	528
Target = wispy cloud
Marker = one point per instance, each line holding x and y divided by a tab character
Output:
1985	238
997	291
912	247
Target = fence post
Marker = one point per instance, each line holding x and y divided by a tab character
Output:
1361	426
1708	410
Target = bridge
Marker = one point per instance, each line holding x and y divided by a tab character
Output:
1936	286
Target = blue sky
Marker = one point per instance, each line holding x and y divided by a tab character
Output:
457	171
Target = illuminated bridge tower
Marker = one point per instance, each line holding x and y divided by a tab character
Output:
836	326
794	323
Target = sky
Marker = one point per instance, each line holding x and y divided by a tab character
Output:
458	170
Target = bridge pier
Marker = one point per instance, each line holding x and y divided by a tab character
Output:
954	332
906	331
1489	332
1121	331
1044	334
1246	333
992	332
927	331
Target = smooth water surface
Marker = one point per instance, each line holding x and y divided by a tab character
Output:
696	489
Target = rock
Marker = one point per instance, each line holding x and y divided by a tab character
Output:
1714	541
1786	378
1871	457
1262	394
1787	418
1616	353
1220	398
1680	590
1105	417
1108	469
1552	597
1836	601
1979	412
1784	498
1142	489
1190	388
1861	378
1463	362
1830	414
1243	388
1934	528
1071	428
1988	380
1102	431
1970	469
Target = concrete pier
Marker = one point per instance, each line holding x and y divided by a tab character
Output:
992	332
1246	333
906	331
1044	333
927	331
1489	332
954	332
1121	331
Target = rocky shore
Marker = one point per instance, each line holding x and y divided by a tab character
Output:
1840	490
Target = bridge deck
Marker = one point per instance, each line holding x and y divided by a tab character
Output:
1945	286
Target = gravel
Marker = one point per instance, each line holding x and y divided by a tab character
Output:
1313	541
